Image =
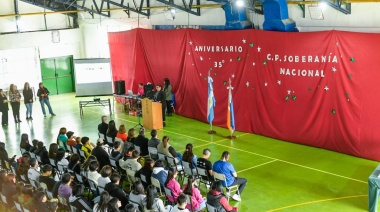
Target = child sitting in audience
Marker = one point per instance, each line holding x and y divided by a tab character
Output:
173	185
197	201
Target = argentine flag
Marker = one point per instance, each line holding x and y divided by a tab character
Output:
211	101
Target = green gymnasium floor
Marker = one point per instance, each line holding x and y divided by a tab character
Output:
281	176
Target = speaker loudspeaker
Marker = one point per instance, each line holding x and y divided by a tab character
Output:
120	87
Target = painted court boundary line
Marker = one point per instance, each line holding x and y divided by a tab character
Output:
317	201
256	166
274	159
306	167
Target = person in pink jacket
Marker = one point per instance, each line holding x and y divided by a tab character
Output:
197	201
173	185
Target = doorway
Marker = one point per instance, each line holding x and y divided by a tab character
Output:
57	74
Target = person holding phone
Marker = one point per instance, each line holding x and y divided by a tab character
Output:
43	94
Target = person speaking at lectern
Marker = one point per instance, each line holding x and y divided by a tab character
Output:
160	96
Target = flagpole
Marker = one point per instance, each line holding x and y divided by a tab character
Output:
211	131
231	137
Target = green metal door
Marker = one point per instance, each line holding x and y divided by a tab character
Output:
57	74
64	73
48	75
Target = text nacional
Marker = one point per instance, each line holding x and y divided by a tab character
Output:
302	72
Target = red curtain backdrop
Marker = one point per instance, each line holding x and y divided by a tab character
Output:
319	88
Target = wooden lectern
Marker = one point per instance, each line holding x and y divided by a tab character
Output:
152	114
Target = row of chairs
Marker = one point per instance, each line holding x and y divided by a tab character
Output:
184	169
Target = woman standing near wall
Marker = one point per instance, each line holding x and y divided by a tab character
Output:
168	92
28	100
4	108
15	98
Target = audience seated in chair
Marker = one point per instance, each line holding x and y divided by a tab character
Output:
9	189
26	199
217	199
101	155
103	126
64	189
197	201
111	132
130	141
154	141
137	195
165	148
132	163
102	205
87	146
204	163
42	204
78	201
74	163
114	189
160	173
42	152
93	174
172	184
147	171
142	142
181	205
45	177
105	173
33	173
222	166
153	203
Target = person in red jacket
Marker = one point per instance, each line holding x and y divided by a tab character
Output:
216	198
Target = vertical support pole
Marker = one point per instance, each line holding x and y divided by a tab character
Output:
17	17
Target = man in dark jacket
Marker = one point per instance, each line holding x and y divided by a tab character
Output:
101	154
114	189
103	127
142	142
160	96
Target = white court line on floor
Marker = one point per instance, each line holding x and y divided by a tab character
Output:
186	136
215	142
306	167
256	166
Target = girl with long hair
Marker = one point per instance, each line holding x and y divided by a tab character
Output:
28	100
9	188
197	201
129	142
74	163
152	202
113	205
24	143
189	156
165	148
137	194
172	184
53	149
15	98
102	205
112	131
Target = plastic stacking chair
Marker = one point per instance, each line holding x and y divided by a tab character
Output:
152	153
229	189
210	208
203	177
156	184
